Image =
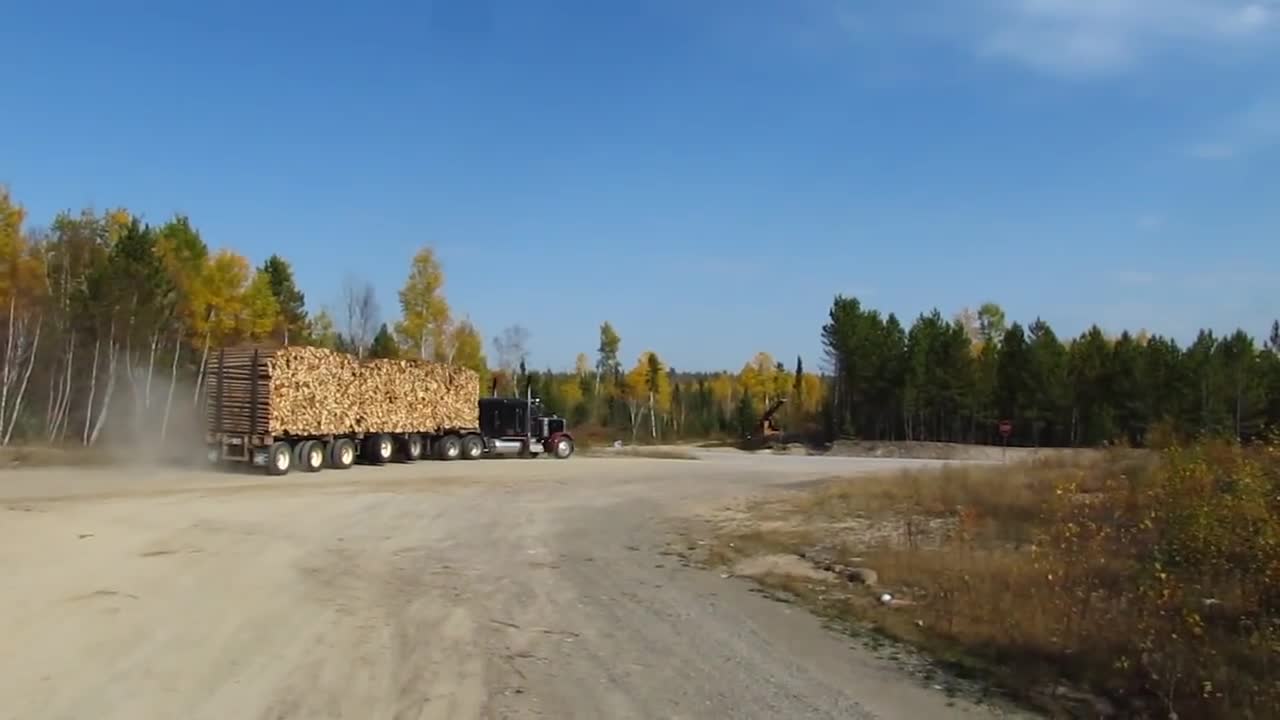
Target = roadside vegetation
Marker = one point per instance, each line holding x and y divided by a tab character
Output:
107	321
1144	583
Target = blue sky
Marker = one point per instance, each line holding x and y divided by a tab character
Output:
706	174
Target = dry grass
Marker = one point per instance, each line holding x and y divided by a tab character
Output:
1153	581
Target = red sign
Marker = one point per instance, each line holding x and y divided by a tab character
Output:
1006	428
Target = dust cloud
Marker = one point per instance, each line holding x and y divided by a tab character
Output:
153	419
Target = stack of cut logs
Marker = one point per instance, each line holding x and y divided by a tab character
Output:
407	395
314	391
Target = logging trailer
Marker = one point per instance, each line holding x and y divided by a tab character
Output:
507	426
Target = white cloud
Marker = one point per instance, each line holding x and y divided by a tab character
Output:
1086	37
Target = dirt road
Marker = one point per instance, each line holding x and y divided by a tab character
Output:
493	589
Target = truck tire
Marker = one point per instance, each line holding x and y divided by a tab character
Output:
472	447
312	456
450	447
563	448
411	447
379	448
279	459
342	454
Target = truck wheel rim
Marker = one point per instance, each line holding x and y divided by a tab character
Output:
384	448
473	450
453	450
415	448
346	455
562	448
282	460
315	457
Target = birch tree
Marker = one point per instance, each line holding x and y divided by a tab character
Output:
217	312
468	350
423	329
259	310
185	258
23	287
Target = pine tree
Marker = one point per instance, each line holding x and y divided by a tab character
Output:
1124	385
1092	419
1015	389
290	300
384	344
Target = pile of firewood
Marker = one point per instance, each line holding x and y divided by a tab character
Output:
314	391
409	395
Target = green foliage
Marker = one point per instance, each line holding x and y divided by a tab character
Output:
322	332
607	363
261	311
1184	568
746	415
991	322
293	325
102	297
113	320
1048	399
1014	375
934	382
468	350
384	344
1152	581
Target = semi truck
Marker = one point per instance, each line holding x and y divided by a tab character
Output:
238	429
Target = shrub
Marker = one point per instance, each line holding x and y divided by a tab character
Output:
1151	579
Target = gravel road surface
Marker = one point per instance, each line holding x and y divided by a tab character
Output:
493	589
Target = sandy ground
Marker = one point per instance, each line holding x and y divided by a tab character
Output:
494	589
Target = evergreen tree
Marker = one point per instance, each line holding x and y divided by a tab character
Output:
384	344
1243	384
101	304
1091	416
293	323
983	411
1015	382
1163	384
1123	381
1047	407
1206	410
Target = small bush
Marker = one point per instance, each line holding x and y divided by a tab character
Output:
1151	579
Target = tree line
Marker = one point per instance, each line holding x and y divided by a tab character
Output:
955	380
109	322
654	402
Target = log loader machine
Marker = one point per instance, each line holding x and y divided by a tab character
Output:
766	432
